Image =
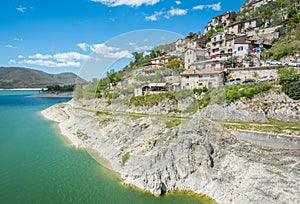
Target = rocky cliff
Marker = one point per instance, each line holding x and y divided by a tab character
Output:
196	154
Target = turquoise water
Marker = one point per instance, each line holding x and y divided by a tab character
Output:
37	165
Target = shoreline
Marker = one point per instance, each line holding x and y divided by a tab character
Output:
23	89
54	94
73	141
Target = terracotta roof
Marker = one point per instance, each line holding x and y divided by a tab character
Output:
240	40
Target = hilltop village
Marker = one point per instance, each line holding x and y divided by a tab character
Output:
231	50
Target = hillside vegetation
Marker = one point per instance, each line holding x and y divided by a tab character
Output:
16	77
281	12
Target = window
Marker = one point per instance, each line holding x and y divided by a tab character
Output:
240	48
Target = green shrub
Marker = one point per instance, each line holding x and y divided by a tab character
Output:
182	94
292	89
204	101
289	81
151	100
174	111
231	93
125	158
200	90
112	95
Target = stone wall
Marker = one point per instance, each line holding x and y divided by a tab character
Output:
253	72
271	140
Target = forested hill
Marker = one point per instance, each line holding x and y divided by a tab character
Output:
17	77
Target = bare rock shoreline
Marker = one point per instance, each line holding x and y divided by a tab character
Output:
199	156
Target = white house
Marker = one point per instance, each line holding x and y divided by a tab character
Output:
241	46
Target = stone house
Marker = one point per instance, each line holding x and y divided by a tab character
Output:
222	21
191	42
242	27
253	4
208	65
192	55
221	46
155	88
160	61
180	45
191	79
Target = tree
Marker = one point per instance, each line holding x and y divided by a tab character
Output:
282	4
289	81
112	77
138	56
210	33
266	14
174	63
293	19
192	35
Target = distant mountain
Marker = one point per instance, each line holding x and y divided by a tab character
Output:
17	77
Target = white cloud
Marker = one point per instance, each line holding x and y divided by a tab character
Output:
215	7
12	62
45	63
69	56
172	12
102	48
155	16
9	46
40	56
132	3
67	59
83	46
177	12
178	2
109	52
199	7
22	9
50	63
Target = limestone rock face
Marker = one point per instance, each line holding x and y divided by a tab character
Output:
237	111
199	156
274	105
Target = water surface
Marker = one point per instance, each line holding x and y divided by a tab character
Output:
37	165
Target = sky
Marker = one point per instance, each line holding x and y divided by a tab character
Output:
72	35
